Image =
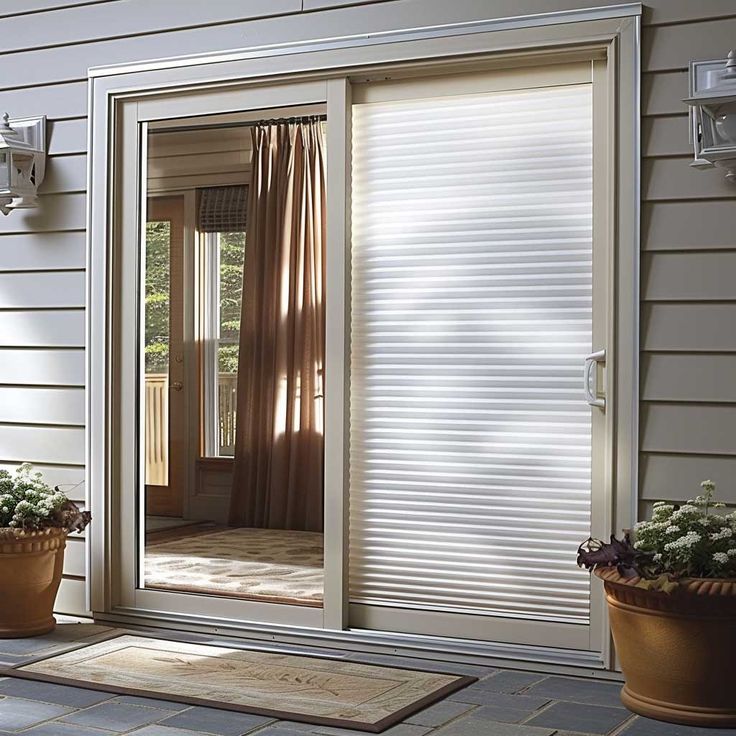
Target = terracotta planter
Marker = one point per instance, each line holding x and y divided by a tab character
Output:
30	573
678	650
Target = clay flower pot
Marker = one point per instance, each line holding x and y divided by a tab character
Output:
30	572
677	650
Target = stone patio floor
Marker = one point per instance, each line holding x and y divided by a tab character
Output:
501	703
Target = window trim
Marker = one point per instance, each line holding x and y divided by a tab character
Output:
137	92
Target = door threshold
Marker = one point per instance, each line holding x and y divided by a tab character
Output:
439	649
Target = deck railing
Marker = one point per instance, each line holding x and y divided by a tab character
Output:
156	441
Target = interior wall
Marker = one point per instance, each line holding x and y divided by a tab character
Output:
688	261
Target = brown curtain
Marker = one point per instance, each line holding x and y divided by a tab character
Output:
278	470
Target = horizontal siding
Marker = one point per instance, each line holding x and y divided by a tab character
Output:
67	136
34	405
62	445
42	367
74	556
56	101
688	327
662	93
678	477
65	174
689	428
34	289
69	478
693	225
56	212
674	178
673	47
42	251
71	597
666	136
688	276
684	377
42	328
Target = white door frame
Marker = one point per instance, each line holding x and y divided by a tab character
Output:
122	96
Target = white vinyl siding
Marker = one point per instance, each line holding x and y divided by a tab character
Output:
471	319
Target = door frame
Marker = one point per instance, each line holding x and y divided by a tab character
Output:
120	96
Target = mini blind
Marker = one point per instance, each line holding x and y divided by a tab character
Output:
470	459
222	209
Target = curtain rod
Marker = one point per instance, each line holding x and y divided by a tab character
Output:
246	124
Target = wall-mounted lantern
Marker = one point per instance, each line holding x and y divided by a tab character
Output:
22	161
713	102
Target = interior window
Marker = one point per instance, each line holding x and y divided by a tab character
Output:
224	280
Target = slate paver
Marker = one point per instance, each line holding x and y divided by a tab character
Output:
159	730
517	706
214	721
479	727
648	727
56	728
581	717
440	713
401	729
17	713
75	697
116	717
509	681
577	690
150	702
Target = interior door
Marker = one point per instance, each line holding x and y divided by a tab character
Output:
165	423
476	464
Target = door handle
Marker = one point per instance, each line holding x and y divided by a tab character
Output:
176	385
591	392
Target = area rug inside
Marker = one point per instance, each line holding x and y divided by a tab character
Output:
316	690
263	564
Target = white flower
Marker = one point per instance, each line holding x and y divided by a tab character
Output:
725	533
672	529
657	557
720	557
731	552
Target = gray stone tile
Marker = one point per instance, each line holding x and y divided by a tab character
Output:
212	720
116	716
159	730
647	727
56	728
470	726
440	713
75	697
583	717
401	729
276	730
17	713
23	646
426	665
151	702
11	660
500	706
578	690
509	681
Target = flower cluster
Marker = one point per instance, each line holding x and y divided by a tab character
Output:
26	502
689	540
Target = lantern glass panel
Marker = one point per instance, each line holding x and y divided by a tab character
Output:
4	171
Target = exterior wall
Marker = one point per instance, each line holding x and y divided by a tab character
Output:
688	311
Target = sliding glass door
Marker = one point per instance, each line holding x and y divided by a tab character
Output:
472	440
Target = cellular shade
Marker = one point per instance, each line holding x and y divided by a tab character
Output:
470	438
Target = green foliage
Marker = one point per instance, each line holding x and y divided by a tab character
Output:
689	540
158	267
157	291
26	502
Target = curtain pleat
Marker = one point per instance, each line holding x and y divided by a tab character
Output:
278	469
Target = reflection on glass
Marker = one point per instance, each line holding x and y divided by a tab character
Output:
156	352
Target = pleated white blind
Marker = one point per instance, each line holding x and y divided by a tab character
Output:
471	317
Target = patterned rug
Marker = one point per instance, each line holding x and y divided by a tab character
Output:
263	564
330	692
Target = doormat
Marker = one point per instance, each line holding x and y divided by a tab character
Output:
310	689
